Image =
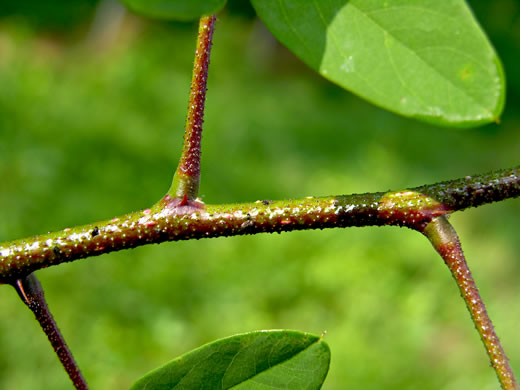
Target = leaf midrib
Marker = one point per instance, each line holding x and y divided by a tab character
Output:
270	367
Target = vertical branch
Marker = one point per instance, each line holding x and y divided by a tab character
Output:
445	240
187	177
31	292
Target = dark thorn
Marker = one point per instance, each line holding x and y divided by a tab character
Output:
21	292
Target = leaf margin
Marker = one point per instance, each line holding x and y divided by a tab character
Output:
309	340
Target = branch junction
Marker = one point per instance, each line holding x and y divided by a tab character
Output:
173	219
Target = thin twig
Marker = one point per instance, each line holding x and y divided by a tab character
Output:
187	176
31	292
446	241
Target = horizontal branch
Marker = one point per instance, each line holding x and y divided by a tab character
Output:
173	219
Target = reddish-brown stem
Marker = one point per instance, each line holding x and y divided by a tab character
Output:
171	219
187	176
445	240
31	292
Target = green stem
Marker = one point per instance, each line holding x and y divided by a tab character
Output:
445	240
31	292
187	176
172	220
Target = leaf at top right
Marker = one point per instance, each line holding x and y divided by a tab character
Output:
426	59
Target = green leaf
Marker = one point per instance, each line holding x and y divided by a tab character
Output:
426	59
175	9
276	359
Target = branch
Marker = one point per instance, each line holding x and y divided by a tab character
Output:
172	220
445	240
31	292
187	176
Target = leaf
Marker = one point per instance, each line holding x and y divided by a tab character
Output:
175	9
275	359
426	59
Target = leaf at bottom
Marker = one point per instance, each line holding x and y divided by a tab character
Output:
277	359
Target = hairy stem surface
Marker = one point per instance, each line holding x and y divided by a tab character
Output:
187	176
171	219
31	292
446	241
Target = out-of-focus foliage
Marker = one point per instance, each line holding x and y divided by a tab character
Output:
55	15
91	127
175	9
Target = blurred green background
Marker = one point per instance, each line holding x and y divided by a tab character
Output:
92	109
